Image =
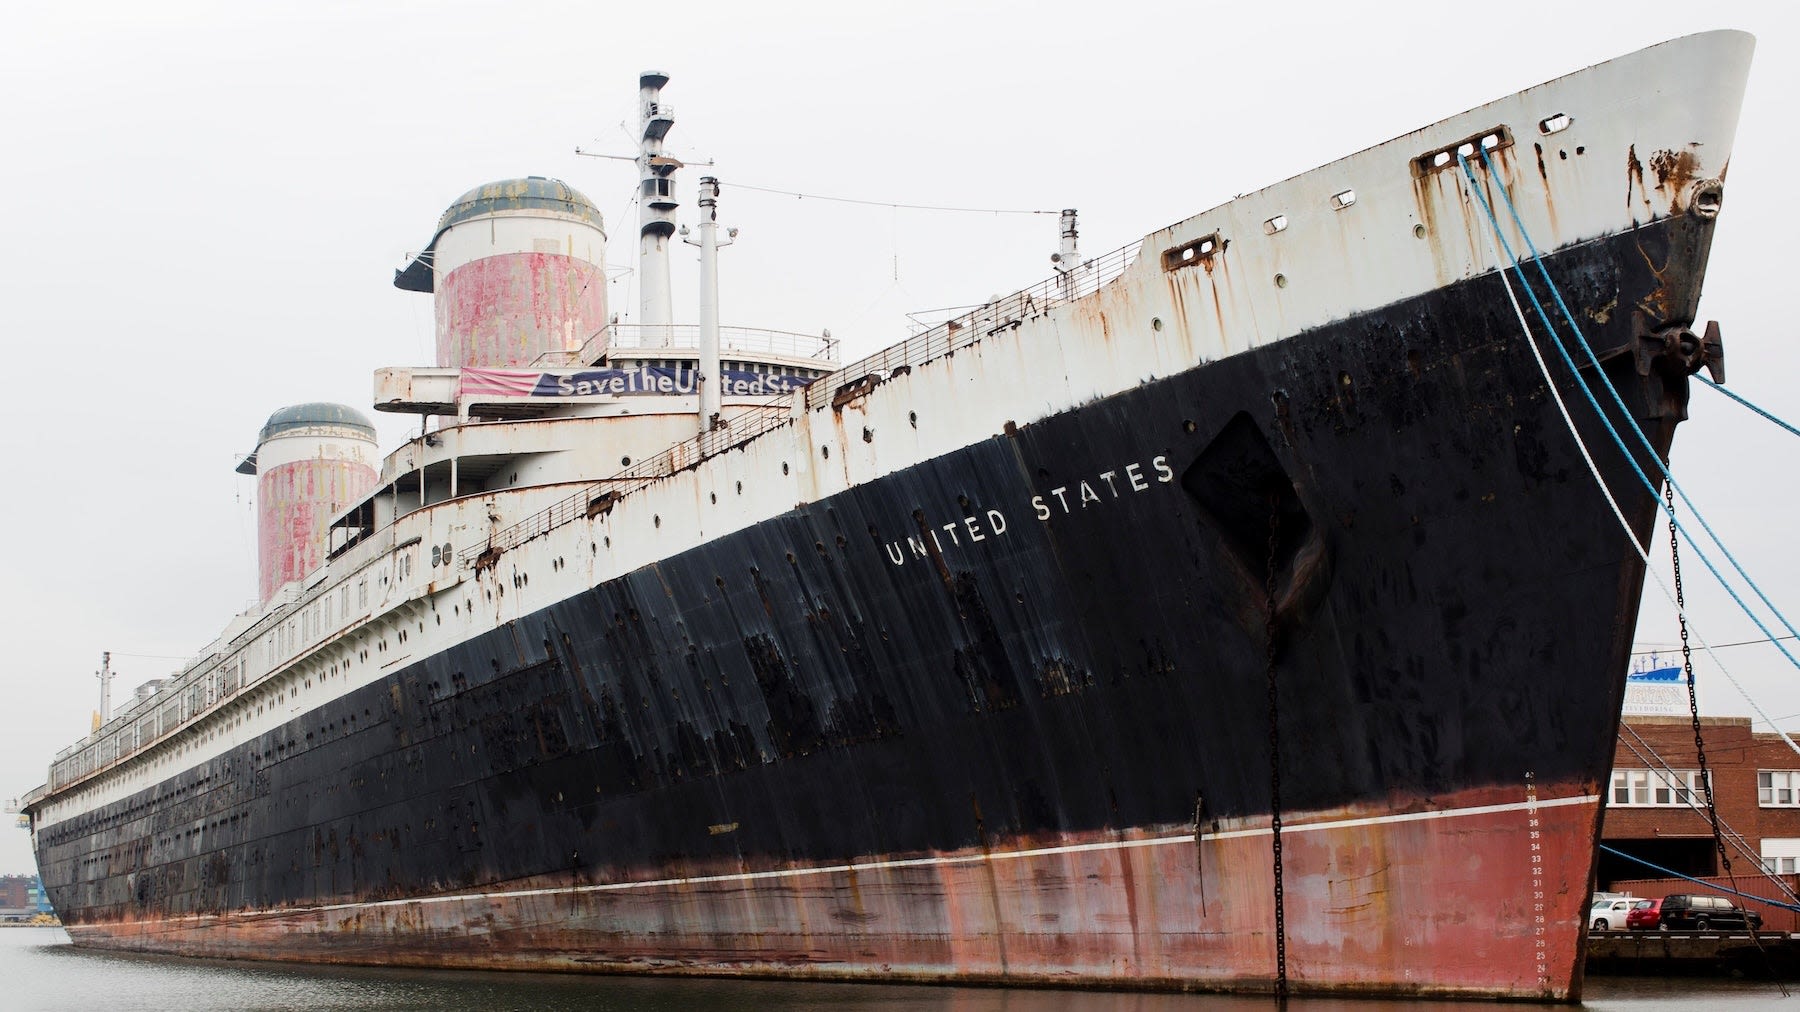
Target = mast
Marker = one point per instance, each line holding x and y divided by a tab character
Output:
105	676
656	210
1068	253
708	380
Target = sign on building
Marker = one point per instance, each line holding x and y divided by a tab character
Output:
1655	687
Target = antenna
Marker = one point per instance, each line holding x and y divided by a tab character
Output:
105	675
1068	254
709	378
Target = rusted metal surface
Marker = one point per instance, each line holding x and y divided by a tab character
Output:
305	476
518	270
854	390
1366	891
513	309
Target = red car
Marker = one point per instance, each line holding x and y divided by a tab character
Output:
1645	915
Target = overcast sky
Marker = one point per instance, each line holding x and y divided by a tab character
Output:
209	200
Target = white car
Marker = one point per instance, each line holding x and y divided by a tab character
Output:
1609	914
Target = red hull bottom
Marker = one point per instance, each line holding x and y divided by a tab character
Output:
1470	894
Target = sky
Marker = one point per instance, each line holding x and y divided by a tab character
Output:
209	199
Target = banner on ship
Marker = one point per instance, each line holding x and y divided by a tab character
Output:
649	379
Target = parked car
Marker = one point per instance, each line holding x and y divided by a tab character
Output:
1703	913
1645	915
1610	914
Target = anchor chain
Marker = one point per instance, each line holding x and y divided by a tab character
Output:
1700	746
1281	980
1687	667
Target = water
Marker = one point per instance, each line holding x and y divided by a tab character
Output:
41	972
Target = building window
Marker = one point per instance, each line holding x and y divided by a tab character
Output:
1657	788
1781	856
1778	788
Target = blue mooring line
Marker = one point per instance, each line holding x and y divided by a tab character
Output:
1569	318
1556	342
1675	874
1747	404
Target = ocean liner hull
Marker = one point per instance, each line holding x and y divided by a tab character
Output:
1005	784
1003	714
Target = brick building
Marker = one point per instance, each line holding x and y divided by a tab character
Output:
1655	807
21	893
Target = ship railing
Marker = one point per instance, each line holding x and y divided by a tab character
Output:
960	332
686	337
944	339
598	497
140	726
192	694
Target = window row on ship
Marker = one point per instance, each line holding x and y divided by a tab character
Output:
216	680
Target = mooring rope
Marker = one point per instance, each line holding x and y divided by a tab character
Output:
1671	873
1624	411
1582	384
1747	404
1494	240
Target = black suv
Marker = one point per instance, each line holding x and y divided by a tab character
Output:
1701	913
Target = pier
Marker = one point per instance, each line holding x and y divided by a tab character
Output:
1694	954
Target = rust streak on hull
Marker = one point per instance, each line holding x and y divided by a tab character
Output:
971	917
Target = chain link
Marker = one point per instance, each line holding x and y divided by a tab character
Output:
1687	667
1281	979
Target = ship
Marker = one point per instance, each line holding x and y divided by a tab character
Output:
1236	610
